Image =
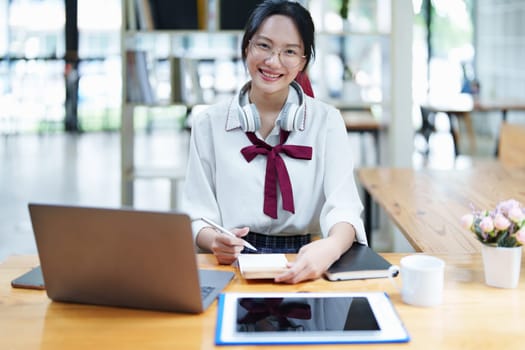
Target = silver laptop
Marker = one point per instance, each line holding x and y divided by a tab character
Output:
122	257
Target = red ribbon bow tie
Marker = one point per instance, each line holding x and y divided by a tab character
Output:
276	169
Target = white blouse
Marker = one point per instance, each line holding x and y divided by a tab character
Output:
222	186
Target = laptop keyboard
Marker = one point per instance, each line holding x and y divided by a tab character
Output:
206	290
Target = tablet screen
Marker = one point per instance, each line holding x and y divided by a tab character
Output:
307	318
304	314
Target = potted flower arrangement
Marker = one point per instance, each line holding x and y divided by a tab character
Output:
502	233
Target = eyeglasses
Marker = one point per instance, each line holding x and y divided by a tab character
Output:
289	57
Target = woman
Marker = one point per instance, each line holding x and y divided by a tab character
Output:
273	164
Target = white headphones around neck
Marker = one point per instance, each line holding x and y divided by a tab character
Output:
292	116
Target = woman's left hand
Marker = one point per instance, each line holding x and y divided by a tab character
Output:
316	257
312	261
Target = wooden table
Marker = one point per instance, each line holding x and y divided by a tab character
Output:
472	316
499	105
426	205
461	106
363	121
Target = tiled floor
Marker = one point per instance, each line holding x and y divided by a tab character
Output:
56	169
76	169
85	169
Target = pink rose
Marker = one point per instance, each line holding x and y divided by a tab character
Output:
501	222
520	235
487	224
507	205
516	214
467	220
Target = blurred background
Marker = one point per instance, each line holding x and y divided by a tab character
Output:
96	96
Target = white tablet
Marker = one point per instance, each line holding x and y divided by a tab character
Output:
307	318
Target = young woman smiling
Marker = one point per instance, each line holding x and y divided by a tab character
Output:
273	164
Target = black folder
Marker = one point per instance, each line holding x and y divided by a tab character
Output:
360	262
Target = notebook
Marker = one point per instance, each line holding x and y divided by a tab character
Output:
360	262
122	257
262	266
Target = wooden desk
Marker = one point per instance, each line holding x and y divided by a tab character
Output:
499	105
461	106
363	121
472	316
427	205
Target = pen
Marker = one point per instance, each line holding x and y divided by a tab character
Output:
229	233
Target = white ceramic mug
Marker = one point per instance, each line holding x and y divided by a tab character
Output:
422	279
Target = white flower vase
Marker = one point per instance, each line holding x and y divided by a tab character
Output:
501	265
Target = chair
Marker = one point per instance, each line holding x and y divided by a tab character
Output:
511	146
428	126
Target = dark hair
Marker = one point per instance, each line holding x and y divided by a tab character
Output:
291	9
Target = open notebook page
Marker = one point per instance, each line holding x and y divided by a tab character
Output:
262	266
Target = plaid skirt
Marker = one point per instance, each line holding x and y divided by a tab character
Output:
276	244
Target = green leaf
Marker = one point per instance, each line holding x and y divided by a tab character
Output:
506	240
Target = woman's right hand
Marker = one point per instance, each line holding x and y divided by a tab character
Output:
225	248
